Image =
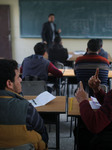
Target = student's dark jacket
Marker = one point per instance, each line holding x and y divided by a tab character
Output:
13	126
58	53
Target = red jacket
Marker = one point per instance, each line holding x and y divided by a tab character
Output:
97	120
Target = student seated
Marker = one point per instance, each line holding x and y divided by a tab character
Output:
101	51
95	127
20	123
37	65
86	65
57	52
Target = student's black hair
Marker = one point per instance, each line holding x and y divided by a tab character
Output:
93	45
100	42
51	15
7	71
40	48
57	39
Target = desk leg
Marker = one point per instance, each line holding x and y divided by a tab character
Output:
110	84
58	132
59	86
67	97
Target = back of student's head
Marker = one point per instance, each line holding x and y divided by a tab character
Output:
57	40
7	71
100	42
93	45
40	48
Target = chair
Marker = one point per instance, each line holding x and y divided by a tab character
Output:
33	87
62	82
21	147
59	65
104	87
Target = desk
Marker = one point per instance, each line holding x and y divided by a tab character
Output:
110	74
69	74
71	78
50	113
74	56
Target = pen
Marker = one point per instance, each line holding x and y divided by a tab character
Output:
34	101
71	103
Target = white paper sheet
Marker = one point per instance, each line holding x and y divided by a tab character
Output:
79	52
94	103
69	56
42	99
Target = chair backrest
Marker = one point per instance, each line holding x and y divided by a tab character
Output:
59	65
104	87
21	147
90	91
58	54
33	87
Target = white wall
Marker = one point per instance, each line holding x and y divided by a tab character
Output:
22	47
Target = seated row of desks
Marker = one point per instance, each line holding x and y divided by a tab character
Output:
74	56
71	78
50	113
58	105
52	110
70	73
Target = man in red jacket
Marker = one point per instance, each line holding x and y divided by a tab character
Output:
95	131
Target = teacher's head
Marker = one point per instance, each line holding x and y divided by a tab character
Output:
51	17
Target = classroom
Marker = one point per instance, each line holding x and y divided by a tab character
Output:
78	23
23	46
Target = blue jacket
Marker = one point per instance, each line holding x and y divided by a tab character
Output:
35	65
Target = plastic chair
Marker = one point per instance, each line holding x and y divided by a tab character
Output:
21	147
104	87
59	65
33	87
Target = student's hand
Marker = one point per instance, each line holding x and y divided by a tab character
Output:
94	82
81	94
59	30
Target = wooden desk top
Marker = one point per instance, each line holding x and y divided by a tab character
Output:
73	107
70	73
56	105
74	57
110	74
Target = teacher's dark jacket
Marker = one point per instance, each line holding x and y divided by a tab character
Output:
47	33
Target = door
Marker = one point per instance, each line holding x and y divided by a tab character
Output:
5	32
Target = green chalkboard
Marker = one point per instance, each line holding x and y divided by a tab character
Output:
76	18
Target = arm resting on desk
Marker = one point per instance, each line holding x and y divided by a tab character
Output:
95	121
55	71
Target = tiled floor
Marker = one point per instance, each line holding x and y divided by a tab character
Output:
66	142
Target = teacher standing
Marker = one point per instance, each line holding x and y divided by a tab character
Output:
49	31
